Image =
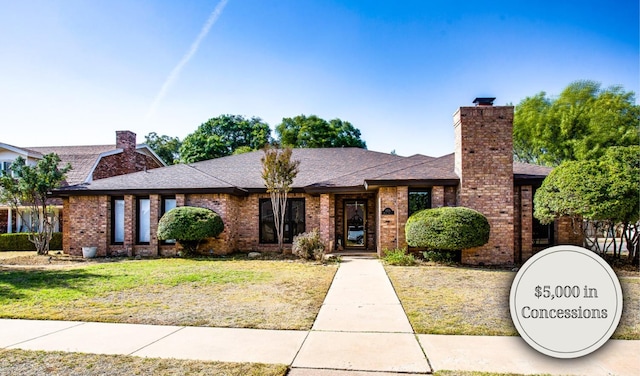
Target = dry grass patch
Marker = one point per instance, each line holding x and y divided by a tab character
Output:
24	363
477	373
466	301
220	293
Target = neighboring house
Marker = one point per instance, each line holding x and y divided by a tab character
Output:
88	163
357	199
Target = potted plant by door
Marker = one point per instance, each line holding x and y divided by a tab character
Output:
89	252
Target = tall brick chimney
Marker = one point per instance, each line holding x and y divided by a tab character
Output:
126	140
484	163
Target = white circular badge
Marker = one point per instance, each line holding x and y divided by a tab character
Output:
566	301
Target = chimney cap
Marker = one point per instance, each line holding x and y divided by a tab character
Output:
484	101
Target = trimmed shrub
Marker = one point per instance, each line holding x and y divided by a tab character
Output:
189	225
308	245
447	228
399	257
20	242
441	257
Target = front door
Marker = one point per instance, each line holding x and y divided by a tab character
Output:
355	214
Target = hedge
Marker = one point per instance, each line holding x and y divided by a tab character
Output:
447	229
20	242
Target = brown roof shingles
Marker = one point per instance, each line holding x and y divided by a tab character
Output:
320	170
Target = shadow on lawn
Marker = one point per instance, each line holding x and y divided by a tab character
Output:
13	281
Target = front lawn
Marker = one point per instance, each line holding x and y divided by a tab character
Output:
467	301
192	292
23	363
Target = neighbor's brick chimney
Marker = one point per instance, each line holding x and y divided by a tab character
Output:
126	140
484	163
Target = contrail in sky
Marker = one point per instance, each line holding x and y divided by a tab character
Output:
185	59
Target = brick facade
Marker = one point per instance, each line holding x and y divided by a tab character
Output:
484	163
125	162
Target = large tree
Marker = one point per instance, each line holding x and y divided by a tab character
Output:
167	148
605	192
313	132
278	172
30	187
581	123
222	136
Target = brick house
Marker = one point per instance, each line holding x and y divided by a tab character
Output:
357	199
89	163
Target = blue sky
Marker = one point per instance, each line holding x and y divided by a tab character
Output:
75	71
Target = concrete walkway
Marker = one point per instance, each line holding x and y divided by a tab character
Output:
361	330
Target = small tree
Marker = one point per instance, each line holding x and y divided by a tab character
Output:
189	226
30	186
278	172
447	229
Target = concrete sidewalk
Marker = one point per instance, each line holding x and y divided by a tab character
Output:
362	326
361	329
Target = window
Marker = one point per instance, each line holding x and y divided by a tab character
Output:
5	168
542	234
294	221
419	199
117	220
168	203
144	221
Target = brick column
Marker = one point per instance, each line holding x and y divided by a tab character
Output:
402	214
328	221
526	222
387	223
437	196
154	208
129	223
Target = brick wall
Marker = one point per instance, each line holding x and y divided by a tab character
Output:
568	231
86	224
327	221
4	220
484	162
391	233
127	161
123	163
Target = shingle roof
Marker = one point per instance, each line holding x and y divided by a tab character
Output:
81	158
320	170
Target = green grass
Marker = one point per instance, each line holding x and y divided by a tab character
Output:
232	293
24	363
466	301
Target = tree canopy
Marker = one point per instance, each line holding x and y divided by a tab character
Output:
603	192
167	148
222	136
606	190
313	132
581	123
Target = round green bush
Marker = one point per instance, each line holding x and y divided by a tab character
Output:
447	229
189	225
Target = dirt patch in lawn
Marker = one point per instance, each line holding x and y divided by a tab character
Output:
470	301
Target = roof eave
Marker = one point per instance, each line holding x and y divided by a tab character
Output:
370	184
143	192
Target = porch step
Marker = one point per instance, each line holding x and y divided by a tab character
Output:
363	254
